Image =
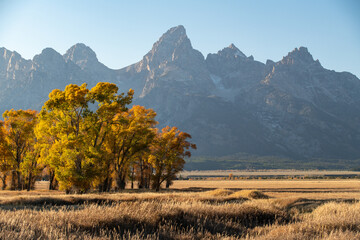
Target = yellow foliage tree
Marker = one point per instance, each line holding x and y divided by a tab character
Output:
168	151
31	167
76	132
6	160
19	134
87	138
46	132
132	133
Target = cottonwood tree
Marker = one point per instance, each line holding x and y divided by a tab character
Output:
86	138
6	160
19	134
46	132
131	135
80	120
109	104
66	109
168	151
143	170
31	167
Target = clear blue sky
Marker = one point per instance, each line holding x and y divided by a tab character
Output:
121	32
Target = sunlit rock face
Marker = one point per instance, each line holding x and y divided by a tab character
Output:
228	102
174	65
81	55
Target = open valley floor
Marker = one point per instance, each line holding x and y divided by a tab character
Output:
190	209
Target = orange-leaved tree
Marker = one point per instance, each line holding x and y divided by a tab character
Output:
19	134
168	151
6	160
131	135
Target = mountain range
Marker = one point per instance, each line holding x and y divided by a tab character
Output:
230	103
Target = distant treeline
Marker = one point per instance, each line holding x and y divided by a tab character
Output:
247	161
87	139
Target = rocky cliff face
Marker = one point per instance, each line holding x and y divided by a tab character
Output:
171	64
228	102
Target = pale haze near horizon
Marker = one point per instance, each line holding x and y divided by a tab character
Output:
121	32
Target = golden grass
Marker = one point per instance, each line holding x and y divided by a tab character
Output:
219	192
328	221
133	216
282	209
216	214
315	189
350	184
251	194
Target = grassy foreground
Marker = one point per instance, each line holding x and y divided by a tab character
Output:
215	214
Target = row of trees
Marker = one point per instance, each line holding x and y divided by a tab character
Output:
89	139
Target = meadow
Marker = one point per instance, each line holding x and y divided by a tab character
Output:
190	209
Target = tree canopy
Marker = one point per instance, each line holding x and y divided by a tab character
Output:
89	138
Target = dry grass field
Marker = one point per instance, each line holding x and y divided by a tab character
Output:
232	209
314	189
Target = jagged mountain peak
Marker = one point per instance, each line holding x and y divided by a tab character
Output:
172	61
48	55
232	51
6	54
172	46
4	50
236	51
49	51
81	55
178	31
299	55
232	46
173	38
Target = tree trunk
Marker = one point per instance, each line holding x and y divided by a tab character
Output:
13	180
156	182
109	185
148	180
19	181
29	182
105	186
4	181
102	186
55	184
141	178
121	183
132	178
51	179
120	180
